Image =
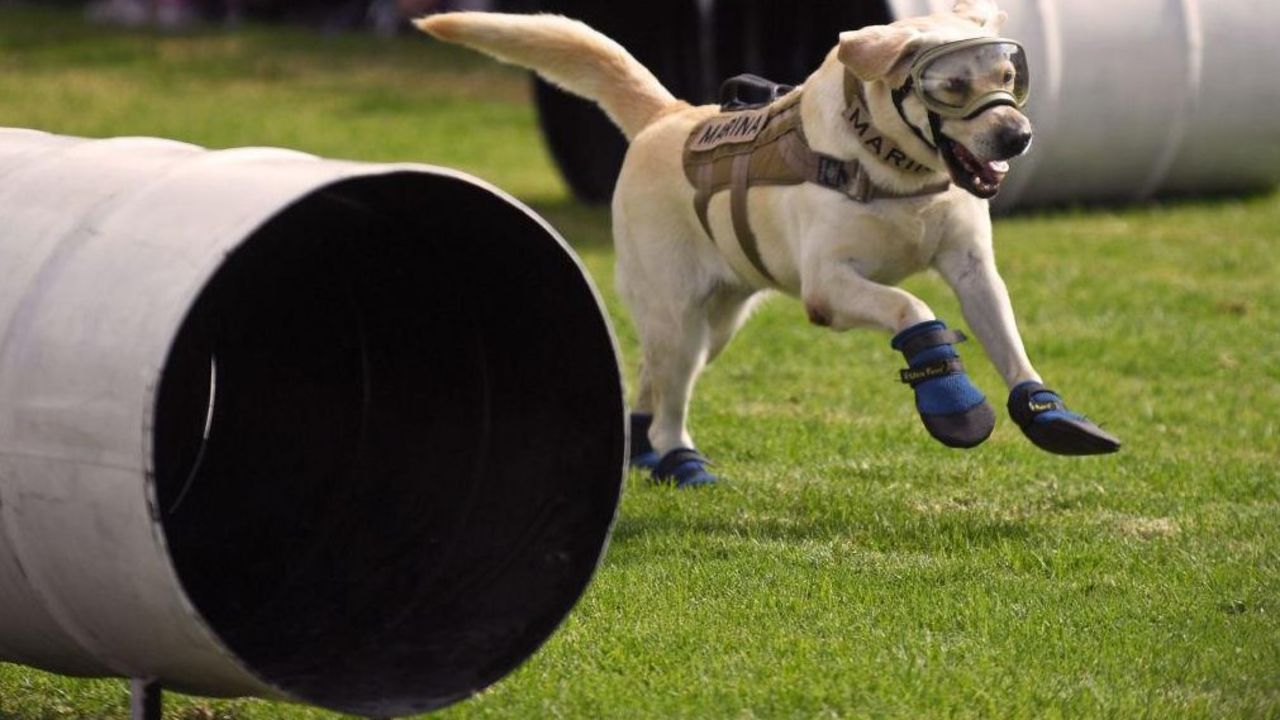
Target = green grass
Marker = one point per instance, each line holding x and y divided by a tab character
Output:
848	566
346	97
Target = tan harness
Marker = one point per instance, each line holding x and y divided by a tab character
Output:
742	149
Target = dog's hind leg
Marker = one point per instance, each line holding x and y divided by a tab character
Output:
725	310
674	362
673	314
642	453
674	355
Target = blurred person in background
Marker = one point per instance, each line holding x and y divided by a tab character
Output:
166	14
386	17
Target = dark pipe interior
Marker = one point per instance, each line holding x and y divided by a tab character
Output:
389	444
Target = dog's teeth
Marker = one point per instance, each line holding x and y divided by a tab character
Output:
1000	166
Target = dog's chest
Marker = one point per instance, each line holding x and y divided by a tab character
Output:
895	245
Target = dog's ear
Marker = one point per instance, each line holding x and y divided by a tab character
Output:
874	52
982	12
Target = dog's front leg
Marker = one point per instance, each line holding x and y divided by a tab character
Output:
971	272
968	265
838	296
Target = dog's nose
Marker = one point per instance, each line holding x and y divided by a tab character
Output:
1014	141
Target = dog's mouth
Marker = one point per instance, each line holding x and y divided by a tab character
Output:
980	178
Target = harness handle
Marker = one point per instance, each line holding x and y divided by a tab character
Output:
747	91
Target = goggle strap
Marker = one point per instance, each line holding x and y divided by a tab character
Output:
935	124
899	97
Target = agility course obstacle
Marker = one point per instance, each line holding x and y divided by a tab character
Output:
341	434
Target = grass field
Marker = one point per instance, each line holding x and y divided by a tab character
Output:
848	566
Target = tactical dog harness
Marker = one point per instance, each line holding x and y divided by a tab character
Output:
756	146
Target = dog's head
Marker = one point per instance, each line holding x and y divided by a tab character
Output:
954	84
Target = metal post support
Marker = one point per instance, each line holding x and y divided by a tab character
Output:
145	700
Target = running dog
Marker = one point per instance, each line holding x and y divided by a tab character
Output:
879	166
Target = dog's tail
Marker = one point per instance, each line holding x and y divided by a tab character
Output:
566	53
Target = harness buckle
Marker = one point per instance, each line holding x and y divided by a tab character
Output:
831	173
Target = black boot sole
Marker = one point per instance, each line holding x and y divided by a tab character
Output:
1071	437
964	430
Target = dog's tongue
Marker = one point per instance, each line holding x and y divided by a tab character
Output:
990	173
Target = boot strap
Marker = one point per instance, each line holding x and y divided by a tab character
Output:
933	338
924	373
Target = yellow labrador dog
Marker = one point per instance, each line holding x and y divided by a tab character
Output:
878	167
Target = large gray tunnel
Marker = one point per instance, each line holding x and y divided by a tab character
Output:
1131	100
343	434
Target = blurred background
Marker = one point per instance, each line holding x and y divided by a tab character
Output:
385	17
1152	99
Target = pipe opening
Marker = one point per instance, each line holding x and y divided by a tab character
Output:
389	444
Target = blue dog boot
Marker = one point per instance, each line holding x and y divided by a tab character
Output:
954	411
685	467
642	453
1046	421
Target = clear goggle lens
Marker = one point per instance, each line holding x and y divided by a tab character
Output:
961	79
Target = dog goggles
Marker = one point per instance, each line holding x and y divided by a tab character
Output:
961	79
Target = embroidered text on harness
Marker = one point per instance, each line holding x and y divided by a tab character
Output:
766	146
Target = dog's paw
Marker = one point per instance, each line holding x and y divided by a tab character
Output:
645	460
685	468
953	410
1046	421
962	430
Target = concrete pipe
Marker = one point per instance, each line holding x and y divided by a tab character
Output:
342	434
1143	98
